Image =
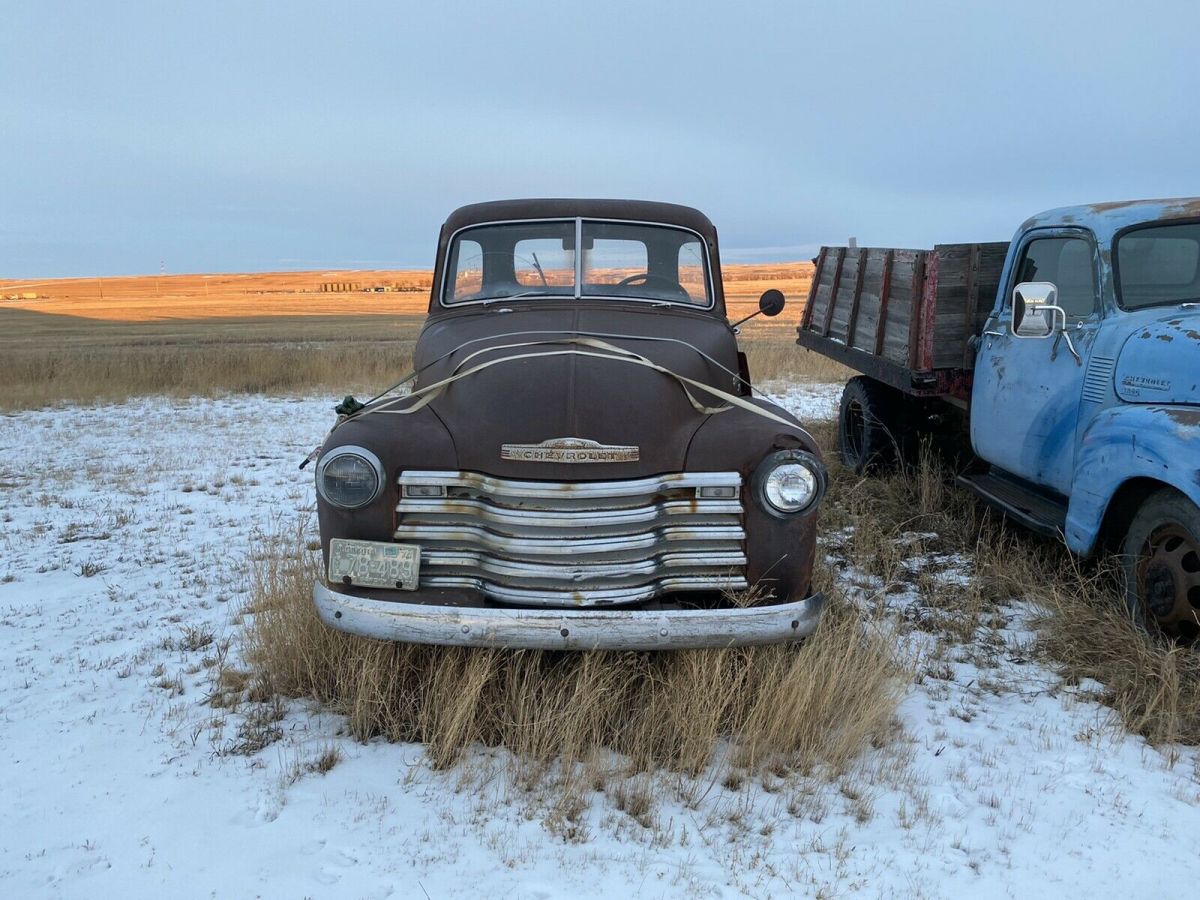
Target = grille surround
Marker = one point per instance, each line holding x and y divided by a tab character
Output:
572	544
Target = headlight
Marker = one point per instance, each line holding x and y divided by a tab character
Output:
349	477
788	482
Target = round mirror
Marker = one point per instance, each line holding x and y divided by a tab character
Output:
771	302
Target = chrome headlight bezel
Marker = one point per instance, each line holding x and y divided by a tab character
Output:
349	450
790	457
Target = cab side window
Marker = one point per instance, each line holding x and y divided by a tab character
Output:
1067	262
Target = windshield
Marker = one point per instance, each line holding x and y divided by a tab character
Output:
1159	266
619	260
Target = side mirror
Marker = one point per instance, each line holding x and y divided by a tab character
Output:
771	303
1034	309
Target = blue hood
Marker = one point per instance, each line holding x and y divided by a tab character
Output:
1160	362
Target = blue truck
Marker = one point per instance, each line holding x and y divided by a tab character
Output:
1071	358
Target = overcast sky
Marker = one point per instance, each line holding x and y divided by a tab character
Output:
235	136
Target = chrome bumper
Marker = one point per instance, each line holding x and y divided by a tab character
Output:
567	629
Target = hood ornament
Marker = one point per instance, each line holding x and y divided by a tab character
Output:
569	450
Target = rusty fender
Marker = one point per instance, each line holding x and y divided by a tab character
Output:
1125	442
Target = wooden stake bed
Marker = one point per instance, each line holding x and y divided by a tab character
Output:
905	317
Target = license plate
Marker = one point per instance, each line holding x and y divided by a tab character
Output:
374	564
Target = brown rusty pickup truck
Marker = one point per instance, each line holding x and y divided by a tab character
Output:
580	461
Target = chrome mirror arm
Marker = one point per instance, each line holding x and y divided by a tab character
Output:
1062	334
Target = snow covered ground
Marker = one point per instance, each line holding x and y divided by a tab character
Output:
124	537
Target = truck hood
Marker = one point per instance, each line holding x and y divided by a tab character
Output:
1160	362
547	388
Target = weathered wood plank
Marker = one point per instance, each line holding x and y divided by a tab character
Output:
915	308
806	319
857	299
884	299
927	320
844	299
837	277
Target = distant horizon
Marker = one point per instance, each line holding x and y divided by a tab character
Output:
726	260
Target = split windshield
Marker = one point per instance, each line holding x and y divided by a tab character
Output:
619	260
1159	266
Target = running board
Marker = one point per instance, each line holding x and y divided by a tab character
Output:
1031	508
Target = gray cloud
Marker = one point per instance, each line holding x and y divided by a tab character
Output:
233	136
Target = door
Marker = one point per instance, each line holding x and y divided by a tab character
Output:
1026	394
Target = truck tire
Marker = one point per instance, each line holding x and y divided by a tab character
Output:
870	426
1161	563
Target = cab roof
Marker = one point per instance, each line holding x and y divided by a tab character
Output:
560	208
1106	219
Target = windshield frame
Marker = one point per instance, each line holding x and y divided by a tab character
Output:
578	286
1116	262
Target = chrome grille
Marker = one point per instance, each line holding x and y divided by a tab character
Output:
589	543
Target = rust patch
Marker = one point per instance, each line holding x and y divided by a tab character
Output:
1166	337
1187	207
1112	205
1184	416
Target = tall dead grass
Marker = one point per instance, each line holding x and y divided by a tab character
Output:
52	359
95	374
1151	682
773	355
792	707
1084	629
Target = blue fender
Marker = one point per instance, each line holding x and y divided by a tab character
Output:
1125	442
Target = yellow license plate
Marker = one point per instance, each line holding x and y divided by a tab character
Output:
374	564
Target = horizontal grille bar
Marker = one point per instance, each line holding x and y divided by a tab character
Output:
675	537
575	543
585	572
507	593
501	488
509	521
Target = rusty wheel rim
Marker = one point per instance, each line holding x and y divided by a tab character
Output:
1169	580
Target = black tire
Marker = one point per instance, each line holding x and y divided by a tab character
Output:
872	431
1160	559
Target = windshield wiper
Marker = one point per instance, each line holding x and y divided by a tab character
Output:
537	265
517	296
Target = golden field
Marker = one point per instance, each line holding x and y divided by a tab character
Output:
94	339
152	298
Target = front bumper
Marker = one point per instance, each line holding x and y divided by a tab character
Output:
567	629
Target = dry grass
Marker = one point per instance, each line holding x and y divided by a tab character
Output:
1152	684
884	524
787	707
773	355
54	359
90	340
319	357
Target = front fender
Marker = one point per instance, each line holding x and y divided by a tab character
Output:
779	552
1126	442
